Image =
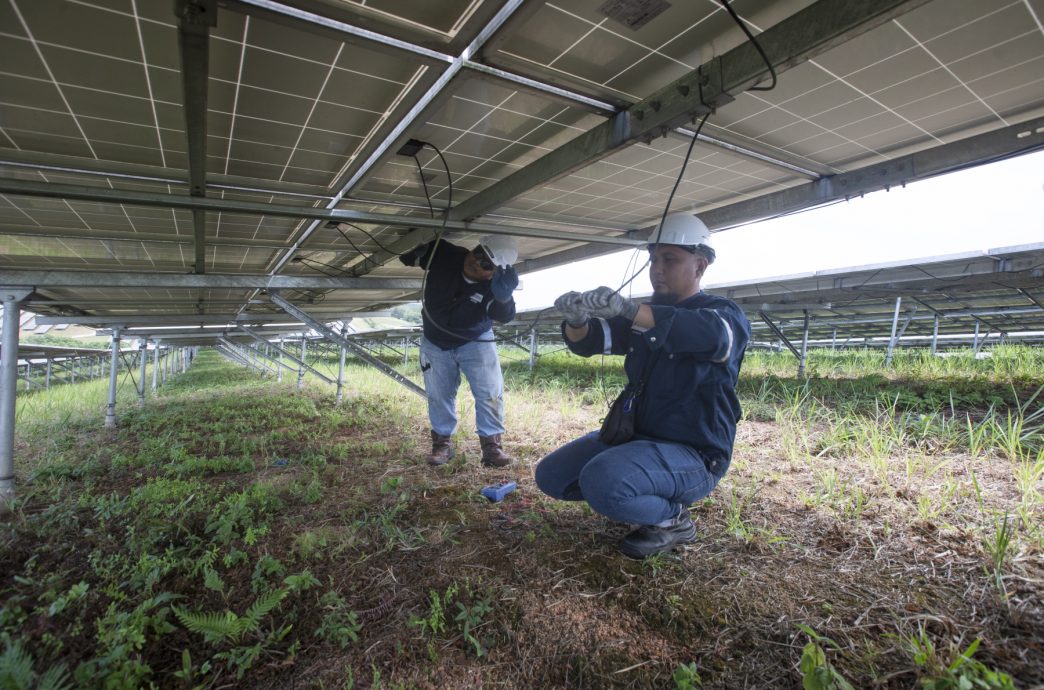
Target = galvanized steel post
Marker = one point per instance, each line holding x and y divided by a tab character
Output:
110	407
804	348
8	384
144	358
895	326
340	367
301	369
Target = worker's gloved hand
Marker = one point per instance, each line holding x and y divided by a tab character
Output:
504	282
572	310
607	303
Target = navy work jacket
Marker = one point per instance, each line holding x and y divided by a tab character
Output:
689	397
466	308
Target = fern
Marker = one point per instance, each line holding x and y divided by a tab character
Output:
16	671
214	627
264	604
16	666
211	580
228	626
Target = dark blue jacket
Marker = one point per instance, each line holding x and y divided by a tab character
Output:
464	307
690	393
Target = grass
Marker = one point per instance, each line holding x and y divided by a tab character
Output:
875	529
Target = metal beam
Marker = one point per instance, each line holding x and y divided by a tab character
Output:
132	321
8	384
779	334
123	196
1030	297
146	237
332	335
53	279
976	150
202	333
138	172
195	19
802	36
398	132
257	336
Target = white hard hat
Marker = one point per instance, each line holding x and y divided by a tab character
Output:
682	229
501	248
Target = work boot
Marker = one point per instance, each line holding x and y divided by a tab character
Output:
492	454
650	539
441	449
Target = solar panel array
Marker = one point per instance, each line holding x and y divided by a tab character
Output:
106	109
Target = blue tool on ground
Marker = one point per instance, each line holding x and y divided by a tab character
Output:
497	492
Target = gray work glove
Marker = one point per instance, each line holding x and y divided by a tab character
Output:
574	313
607	303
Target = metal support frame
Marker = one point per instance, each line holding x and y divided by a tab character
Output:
895	324
144	359
330	334
162	200
95	279
340	367
532	349
301	363
779	334
935	333
114	366
399	131
804	347
235	352
711	85
1026	293
195	19
12	300
894	342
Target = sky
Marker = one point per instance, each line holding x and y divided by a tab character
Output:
989	206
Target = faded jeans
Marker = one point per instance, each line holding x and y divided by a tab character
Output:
642	482
480	365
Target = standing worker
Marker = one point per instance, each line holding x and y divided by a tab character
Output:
464	293
667	442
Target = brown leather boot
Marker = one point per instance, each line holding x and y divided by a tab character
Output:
492	454
441	449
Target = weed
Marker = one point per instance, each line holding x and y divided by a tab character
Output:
686	677
339	625
818	673
997	546
470	618
963	673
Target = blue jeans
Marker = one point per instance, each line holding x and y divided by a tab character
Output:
642	482
481	367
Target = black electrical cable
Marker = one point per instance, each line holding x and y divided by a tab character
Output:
372	238
307	261
667	206
424	184
434	248
757	46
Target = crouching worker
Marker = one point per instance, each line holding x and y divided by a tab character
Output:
667	441
465	291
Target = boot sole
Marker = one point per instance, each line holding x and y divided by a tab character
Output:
680	545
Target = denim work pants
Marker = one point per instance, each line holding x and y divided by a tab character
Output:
642	482
481	367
